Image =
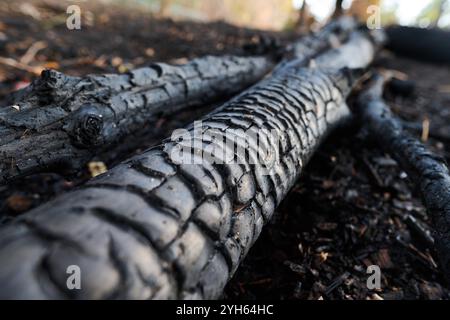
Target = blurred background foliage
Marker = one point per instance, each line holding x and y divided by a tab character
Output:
285	14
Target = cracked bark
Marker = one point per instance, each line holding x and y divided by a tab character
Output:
63	121
60	122
428	171
156	228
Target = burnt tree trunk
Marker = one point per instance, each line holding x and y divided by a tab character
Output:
428	171
157	227
61	122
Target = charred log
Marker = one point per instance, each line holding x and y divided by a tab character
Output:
61	122
431	45
428	171
156	227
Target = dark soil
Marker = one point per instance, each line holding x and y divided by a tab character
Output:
352	208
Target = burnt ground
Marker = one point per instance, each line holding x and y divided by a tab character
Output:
352	208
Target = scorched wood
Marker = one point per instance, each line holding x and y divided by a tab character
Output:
427	170
60	122
155	227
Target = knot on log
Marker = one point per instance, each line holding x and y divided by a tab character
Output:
86	127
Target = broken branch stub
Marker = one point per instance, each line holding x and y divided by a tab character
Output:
155	227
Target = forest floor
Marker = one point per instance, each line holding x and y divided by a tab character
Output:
352	208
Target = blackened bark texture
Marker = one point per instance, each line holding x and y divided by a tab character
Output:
60	122
428	171
155	227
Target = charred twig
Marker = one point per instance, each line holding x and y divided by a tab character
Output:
421	230
428	171
374	173
337	283
20	65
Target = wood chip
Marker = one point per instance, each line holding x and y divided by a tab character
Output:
383	259
97	168
323	256
425	130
